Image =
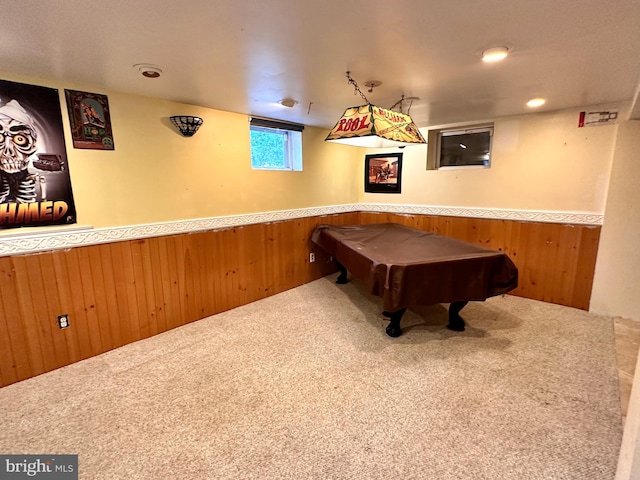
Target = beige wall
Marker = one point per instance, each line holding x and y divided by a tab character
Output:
629	459
617	276
161	176
157	175
539	162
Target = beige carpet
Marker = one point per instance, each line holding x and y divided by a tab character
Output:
306	385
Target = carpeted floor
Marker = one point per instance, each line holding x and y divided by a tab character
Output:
306	385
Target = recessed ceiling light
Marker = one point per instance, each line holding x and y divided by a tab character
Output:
536	102
147	70
495	54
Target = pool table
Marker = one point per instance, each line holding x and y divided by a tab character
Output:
406	266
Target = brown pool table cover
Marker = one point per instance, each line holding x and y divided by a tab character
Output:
406	266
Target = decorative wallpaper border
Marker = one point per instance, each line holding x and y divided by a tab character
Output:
19	244
581	218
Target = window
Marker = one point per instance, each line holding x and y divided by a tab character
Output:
275	145
466	147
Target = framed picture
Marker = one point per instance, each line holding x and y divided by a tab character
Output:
90	120
383	173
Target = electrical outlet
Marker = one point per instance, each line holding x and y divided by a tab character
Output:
63	321
312	257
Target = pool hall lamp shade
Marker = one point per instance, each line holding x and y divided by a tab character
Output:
372	126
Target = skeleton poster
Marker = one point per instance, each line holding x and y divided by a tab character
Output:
35	187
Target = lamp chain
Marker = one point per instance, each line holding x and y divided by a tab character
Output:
399	102
356	88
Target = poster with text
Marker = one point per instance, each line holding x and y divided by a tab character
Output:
35	186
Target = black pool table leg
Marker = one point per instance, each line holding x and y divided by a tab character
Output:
393	329
456	322
342	278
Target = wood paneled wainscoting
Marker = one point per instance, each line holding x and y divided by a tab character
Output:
556	262
118	293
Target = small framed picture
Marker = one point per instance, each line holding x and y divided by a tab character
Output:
90	120
383	173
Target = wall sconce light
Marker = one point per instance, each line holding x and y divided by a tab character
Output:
187	124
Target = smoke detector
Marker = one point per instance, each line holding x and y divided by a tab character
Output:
288	102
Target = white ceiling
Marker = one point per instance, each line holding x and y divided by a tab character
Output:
246	55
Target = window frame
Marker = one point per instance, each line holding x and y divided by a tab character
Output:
293	142
447	132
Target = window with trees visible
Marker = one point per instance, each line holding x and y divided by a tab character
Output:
275	145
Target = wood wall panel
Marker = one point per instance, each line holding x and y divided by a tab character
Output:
21	363
125	291
556	262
